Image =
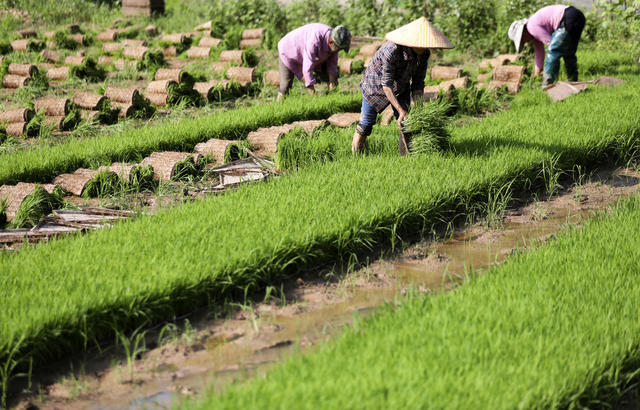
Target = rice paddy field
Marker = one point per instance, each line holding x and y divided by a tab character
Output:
235	201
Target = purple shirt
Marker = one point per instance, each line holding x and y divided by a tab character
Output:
305	49
541	26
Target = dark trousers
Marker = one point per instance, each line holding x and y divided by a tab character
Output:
564	44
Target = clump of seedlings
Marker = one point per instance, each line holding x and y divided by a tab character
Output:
104	183
62	40
37	205
88	70
152	61
426	124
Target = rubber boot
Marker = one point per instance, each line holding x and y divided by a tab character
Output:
358	143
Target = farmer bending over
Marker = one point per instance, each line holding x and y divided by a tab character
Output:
560	28
396	74
310	49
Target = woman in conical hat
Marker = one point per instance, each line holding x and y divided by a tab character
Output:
396	73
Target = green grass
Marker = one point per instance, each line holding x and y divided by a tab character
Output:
53	299
42	164
552	328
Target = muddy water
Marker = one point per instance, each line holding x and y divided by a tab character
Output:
255	337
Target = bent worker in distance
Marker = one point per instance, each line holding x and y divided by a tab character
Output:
310	51
559	27
395	75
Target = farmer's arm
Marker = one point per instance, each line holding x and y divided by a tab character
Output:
332	69
388	74
539	49
309	57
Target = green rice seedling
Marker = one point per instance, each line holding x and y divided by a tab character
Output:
142	179
357	67
250	58
35	206
187	169
183	93
63	41
427	125
236	151
5	47
3	133
3	212
103	184
133	346
225	92
4	68
232	37
89	70
151	62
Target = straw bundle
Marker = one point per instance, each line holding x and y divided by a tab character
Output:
221	151
135	52
112	47
60	73
508	73
242	75
50	55
176	38
199	52
14	81
28	33
74	60
17	115
105	60
134	43
445	73
250	43
231	56
209	42
272	77
53	106
171	165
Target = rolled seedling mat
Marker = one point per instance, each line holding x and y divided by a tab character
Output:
272	77
344	120
135	52
161	86
105	60
209	42
508	73
483	78
50	55
25	70
220	67
241	74
109	35
17	129
175	74
509	58
75	60
125	110
205	89
53	106
176	38
51	44
112	47
158	99
15	81
88	70
134	43
344	65
492	63
221	151
16	115
49	35
60	73
63	123
231	56
218	90
73	28
206	26
440	72
88	183
28	33
250	43
370	49
134	174
78	38
170	51
264	141
254	33
462	82
124	95
512	87
90	101
169	165
151	30
199	52
122	64
28	215
26	45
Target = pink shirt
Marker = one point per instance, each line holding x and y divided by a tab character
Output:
541	26
305	49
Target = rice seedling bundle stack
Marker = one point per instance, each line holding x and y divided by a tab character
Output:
16	121
151	61
222	151
137	176
96	107
130	102
426	124
50	55
439	72
88	183
171	165
209	42
27	45
27	203
509	76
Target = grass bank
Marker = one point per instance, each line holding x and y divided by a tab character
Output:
65	294
42	164
552	328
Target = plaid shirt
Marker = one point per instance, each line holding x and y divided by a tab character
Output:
394	66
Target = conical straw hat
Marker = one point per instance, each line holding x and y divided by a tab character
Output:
419	33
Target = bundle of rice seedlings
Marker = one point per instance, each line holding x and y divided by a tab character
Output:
138	177
217	91
38	204
5	47
426	124
250	58
64	41
89	71
103	184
